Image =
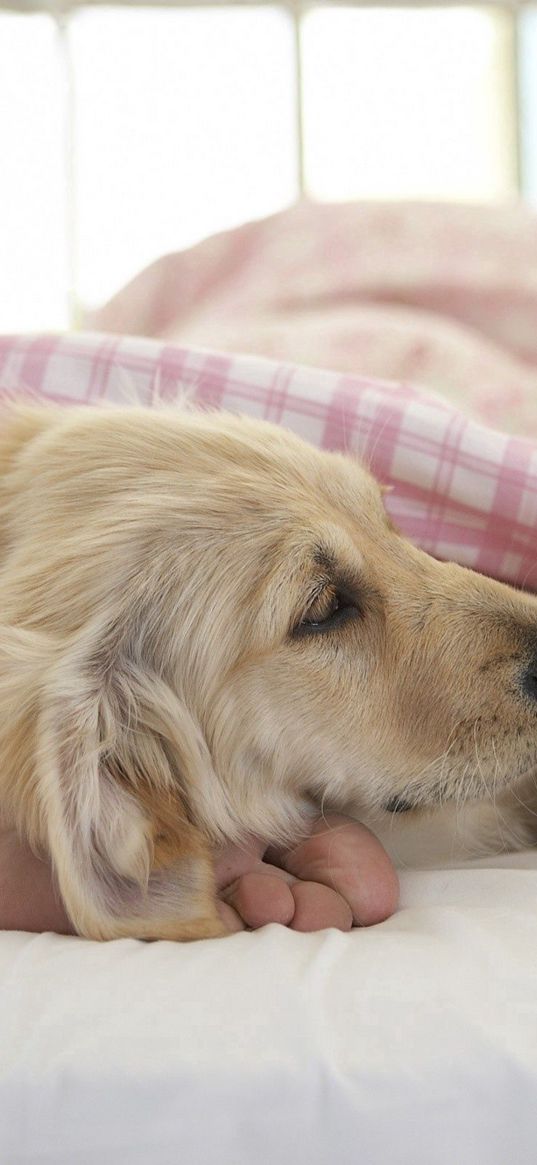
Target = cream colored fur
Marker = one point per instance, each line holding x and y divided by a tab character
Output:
162	687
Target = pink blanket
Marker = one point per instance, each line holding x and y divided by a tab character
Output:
443	297
462	491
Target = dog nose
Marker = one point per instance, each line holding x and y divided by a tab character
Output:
529	680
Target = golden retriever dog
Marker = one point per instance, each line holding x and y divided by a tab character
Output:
208	627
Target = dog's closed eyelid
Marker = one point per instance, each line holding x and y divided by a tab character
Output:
327	610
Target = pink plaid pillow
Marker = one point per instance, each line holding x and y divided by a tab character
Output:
461	491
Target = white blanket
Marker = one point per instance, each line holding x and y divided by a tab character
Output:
411	1043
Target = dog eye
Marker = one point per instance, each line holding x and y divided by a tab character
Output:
330	610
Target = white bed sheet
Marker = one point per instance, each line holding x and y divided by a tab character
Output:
412	1042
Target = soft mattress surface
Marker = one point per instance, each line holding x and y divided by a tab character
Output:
413	1042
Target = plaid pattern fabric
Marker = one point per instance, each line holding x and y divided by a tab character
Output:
461	491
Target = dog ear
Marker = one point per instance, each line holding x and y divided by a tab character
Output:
114	745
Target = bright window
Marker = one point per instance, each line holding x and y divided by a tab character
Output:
528	96
404	103
33	246
185	126
138	131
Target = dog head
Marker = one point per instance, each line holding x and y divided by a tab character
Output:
207	622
